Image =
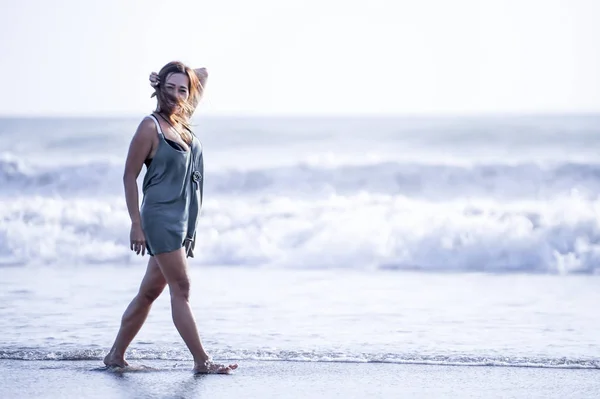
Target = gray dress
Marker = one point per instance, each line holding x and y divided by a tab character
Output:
172	188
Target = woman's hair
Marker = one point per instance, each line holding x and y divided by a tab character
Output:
177	111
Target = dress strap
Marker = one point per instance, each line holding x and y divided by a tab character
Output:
157	125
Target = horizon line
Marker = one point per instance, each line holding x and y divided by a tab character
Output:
220	115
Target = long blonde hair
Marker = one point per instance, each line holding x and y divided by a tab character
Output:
178	112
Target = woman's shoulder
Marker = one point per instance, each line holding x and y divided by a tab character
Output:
149	120
147	126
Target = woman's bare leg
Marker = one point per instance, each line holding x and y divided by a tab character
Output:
174	267
136	313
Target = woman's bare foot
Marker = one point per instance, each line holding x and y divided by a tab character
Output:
209	367
112	360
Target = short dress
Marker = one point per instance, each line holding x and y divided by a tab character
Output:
172	195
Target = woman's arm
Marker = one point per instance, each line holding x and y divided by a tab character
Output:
139	149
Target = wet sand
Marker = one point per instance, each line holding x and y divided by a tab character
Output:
266	379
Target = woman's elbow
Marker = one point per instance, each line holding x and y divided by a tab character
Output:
129	178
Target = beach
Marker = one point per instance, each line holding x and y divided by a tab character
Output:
298	333
80	379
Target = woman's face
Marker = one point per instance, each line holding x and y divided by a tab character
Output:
177	85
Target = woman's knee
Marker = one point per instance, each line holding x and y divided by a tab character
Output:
173	267
180	288
152	293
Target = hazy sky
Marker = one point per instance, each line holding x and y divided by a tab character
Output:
74	57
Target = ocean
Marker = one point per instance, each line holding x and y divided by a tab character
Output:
397	241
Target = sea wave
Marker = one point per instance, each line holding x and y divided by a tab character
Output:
423	180
364	231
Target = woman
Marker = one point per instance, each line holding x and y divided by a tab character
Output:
166	223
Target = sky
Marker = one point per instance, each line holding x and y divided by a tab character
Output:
298	57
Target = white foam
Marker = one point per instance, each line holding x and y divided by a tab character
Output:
315	356
63	231
366	231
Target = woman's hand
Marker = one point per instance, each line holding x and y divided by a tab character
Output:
154	80
189	246
201	72
137	239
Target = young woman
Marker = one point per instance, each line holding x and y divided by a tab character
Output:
165	225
